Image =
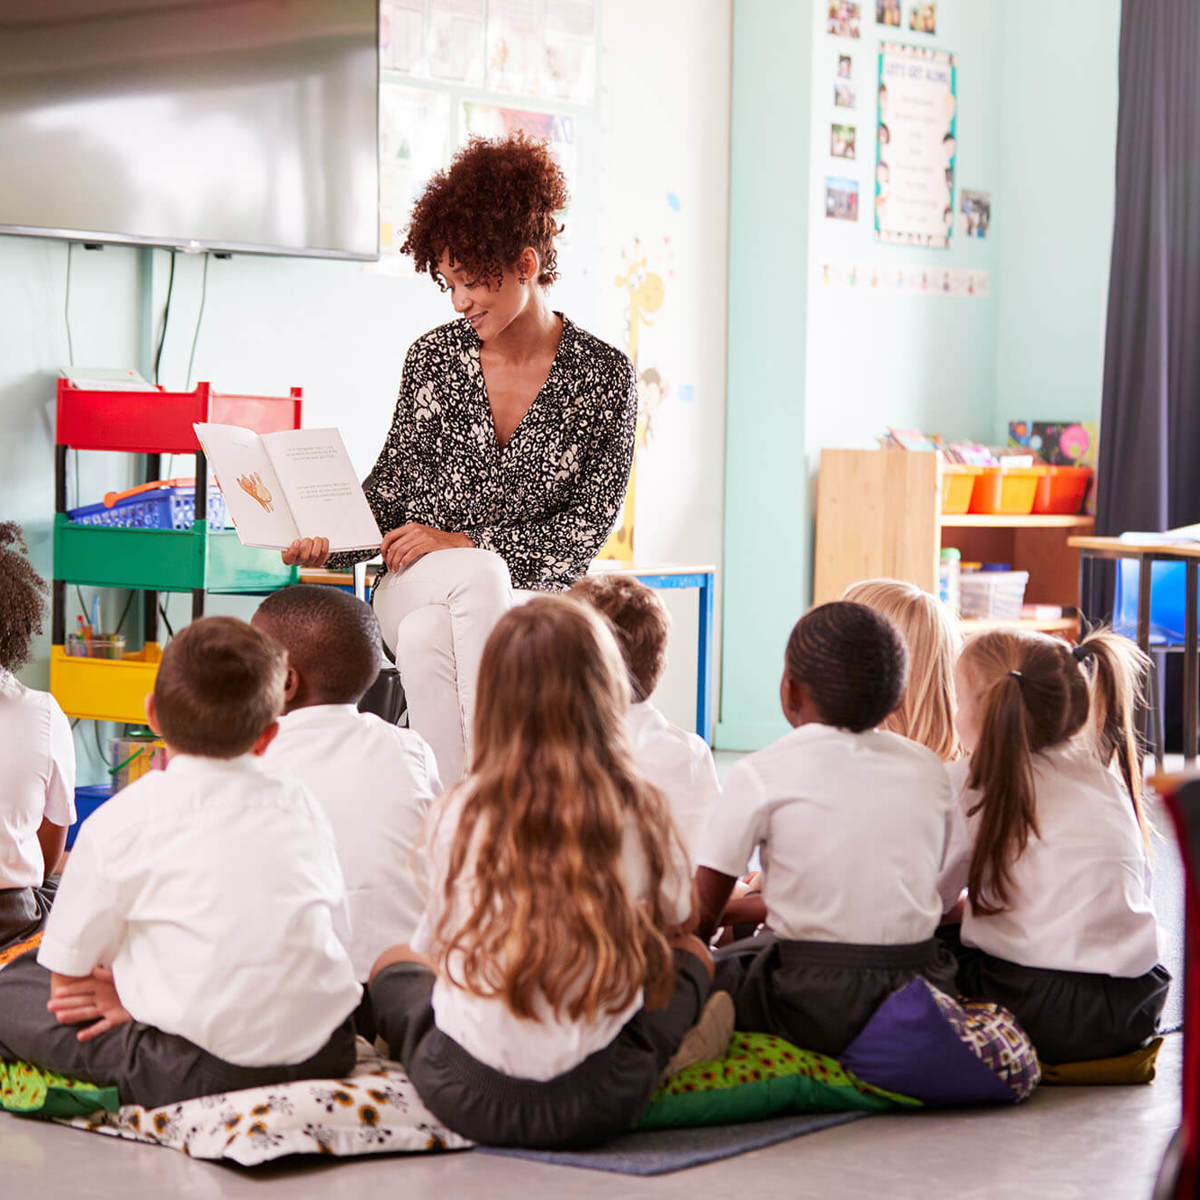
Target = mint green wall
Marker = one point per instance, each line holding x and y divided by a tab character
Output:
767	535
812	366
1054	228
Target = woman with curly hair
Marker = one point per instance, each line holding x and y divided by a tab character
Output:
510	448
37	802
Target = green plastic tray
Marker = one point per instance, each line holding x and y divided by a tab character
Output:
164	561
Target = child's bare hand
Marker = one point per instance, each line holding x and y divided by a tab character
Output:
307	552
92	998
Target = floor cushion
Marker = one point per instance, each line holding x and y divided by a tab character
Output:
1138	1066
373	1111
922	1043
761	1076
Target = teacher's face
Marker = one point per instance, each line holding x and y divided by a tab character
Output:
488	308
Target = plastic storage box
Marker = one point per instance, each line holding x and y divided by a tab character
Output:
1167	616
164	508
1062	490
87	799
958	482
993	595
998	492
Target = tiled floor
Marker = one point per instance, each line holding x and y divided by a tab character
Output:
1065	1143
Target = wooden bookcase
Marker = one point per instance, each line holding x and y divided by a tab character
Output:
879	515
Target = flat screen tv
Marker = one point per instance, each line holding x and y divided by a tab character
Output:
226	125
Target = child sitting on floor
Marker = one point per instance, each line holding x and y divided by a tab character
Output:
678	763
374	780
851	823
926	712
559	981
37	802
200	922
1051	844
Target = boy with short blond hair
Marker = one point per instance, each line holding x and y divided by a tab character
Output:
198	933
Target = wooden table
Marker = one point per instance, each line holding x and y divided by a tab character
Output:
670	576
1147	552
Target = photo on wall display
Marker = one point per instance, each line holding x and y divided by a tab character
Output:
843	94
844	18
916	146
977	213
841	141
923	17
841	199
887	12
845	66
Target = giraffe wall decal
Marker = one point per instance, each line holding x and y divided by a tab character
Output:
645	292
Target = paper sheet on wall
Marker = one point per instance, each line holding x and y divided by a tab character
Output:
402	35
414	143
456	40
514	41
916	146
569	60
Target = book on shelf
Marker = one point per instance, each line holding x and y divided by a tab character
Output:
295	483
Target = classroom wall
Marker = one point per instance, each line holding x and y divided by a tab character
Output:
1054	228
341	329
825	364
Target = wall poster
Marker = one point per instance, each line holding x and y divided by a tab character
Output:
916	146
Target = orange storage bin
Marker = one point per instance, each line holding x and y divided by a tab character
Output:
1009	493
1062	490
958	482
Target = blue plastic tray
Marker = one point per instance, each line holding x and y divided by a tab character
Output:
165	508
88	798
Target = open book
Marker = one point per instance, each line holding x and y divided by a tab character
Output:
282	486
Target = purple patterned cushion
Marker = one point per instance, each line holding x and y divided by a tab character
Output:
924	1044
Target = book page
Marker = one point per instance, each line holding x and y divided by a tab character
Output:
322	488
253	493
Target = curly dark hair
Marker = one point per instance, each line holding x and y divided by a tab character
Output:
853	661
496	198
22	598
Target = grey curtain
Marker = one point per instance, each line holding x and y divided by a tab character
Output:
1148	475
1149	468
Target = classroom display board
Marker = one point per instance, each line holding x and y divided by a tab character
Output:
916	146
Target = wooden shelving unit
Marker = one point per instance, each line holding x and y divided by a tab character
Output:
879	516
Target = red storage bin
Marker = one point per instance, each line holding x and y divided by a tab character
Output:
1062	490
1008	493
160	422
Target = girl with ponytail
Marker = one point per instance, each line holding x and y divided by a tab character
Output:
37	801
1051	842
551	980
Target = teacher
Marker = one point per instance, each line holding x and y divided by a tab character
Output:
511	444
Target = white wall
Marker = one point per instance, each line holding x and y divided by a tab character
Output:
340	330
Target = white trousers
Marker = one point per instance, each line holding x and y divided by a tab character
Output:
436	616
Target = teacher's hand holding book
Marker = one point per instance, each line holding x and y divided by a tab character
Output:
307	552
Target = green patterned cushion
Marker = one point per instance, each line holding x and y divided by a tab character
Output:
32	1092
762	1076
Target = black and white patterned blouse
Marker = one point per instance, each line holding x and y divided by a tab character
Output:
547	499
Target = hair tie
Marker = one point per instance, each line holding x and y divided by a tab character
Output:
1016	675
1080	652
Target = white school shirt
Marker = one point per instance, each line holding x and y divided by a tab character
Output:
851	829
484	1026
1079	894
214	893
679	764
375	783
38	757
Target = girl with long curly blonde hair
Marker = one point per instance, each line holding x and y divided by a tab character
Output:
558	979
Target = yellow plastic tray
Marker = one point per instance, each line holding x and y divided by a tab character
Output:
102	690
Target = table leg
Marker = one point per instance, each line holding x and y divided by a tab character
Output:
1145	567
1191	662
704	661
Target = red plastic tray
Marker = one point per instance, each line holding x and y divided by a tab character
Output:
160	422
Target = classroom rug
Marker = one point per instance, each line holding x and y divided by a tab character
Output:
660	1151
